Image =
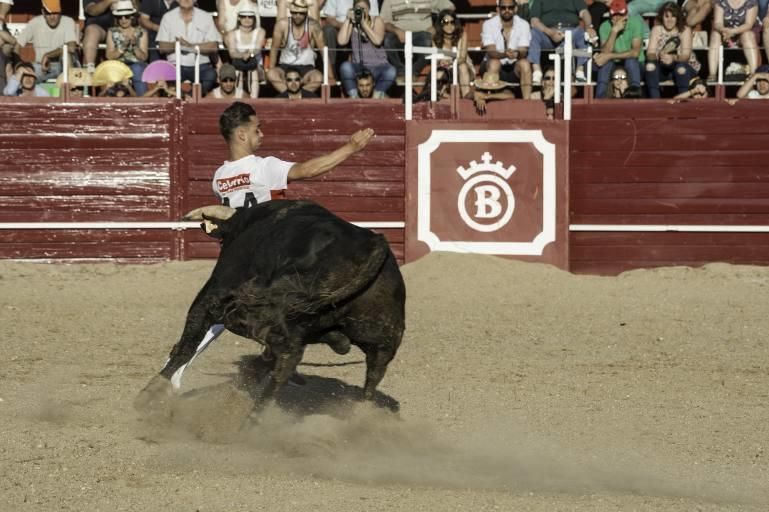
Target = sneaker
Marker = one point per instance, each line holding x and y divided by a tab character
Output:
536	77
579	75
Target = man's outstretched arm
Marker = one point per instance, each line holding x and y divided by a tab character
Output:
319	165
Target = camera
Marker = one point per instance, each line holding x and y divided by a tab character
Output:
358	13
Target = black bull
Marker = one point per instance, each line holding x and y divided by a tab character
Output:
291	273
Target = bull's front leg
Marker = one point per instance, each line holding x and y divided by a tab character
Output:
199	332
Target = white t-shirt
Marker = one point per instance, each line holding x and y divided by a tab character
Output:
520	36
755	95
250	179
217	93
200	30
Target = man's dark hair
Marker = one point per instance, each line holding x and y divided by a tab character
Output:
234	116
363	74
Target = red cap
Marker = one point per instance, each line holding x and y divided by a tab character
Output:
617	7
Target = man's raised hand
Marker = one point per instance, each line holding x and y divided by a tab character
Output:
361	138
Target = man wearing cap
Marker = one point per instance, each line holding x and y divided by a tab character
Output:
621	40
228	79
151	12
550	20
48	34
756	87
297	39
192	27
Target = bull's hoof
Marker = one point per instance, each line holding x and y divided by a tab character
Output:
155	395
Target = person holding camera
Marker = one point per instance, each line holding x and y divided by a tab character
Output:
367	34
334	14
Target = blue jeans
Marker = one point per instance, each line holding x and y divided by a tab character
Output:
633	68
395	50
207	76
384	76
138	69
540	41
681	73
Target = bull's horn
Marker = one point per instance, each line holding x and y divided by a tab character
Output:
215	211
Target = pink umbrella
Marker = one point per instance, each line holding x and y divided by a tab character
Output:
159	70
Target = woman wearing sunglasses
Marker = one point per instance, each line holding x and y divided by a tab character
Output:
244	45
128	43
447	34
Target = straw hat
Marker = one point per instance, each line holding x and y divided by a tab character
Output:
299	5
491	82
123	8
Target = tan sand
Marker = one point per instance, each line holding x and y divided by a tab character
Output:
521	387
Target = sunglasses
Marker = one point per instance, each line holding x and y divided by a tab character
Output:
506	7
619	77
548	77
447	21
124	16
246	17
293	79
228	79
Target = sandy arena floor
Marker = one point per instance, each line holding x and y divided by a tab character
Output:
521	387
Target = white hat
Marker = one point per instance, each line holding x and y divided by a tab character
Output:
246	11
123	7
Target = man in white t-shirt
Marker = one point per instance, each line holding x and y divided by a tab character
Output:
506	38
246	179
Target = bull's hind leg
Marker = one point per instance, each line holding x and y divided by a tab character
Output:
287	358
377	359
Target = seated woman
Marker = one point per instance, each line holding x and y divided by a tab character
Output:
618	83
547	93
127	42
669	53
732	27
245	44
447	34
367	35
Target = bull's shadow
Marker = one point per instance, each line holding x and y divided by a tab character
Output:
317	395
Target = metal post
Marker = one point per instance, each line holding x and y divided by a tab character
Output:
433	79
557	69
178	53
568	56
325	65
197	65
720	64
65	64
408	51
455	66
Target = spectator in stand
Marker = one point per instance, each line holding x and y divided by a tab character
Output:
297	39
128	42
228	84
698	90
757	85
334	14
98	21
7	44
228	12
161	89
191	27
244	45
152	11
5	8
669	53
401	16
550	20
368	54
506	38
732	27
547	93
619	83
621	41
490	88
294	89
48	34
23	82
447	34
364	85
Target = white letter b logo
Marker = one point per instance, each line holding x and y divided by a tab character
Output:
487	204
